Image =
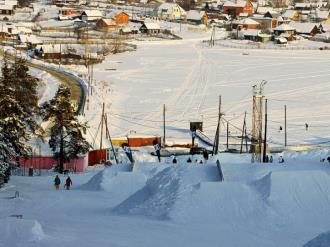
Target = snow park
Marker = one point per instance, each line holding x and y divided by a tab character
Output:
152	123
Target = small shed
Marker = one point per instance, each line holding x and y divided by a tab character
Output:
197	17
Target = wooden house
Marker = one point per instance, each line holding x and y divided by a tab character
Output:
291	15
106	24
284	29
120	17
197	17
150	28
6	9
91	15
246	23
305	28
170	11
238	7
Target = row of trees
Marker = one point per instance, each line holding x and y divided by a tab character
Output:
21	117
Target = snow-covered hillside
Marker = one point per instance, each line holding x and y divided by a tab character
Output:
180	204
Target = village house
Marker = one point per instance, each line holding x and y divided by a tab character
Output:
246	23
91	15
120	17
291	15
238	7
31	41
197	17
170	11
266	23
106	24
6	9
150	28
284	29
309	29
319	15
254	35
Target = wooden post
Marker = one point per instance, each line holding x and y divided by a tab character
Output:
243	132
164	140
285	131
217	135
227	135
102	119
265	136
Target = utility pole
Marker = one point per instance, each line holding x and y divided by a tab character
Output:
256	140
109	138
285	133
102	119
243	132
217	135
227	135
265	136
164	142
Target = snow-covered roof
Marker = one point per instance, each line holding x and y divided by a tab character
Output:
248	21
195	15
264	10
303	27
29	39
284	27
152	25
238	3
321	14
168	7
302	5
6	7
109	21
93	13
289	13
115	13
54	48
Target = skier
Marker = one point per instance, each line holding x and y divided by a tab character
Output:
306	126
128	152
57	182
280	129
68	183
205	155
157	149
193	136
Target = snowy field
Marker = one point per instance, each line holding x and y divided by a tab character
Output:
266	205
188	77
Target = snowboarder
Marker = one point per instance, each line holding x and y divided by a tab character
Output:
205	155
57	182
306	126
68	183
280	129
328	159
271	159
189	160
193	136
157	149
266	159
128	152
280	159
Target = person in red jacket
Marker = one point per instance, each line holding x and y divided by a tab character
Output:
68	183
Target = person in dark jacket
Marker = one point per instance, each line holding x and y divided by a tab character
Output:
193	136
68	183
205	155
189	160
157	148
128	152
57	182
174	160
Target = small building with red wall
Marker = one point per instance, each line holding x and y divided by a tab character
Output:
48	163
237	7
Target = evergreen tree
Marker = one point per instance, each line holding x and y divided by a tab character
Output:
17	120
66	134
24	86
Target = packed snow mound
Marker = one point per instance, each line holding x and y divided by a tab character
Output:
117	181
96	182
263	185
322	240
158	197
23	231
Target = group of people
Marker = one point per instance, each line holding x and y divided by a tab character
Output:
57	183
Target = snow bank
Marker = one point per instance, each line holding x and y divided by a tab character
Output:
161	192
322	240
21	230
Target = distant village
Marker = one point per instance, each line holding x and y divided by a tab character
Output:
78	32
